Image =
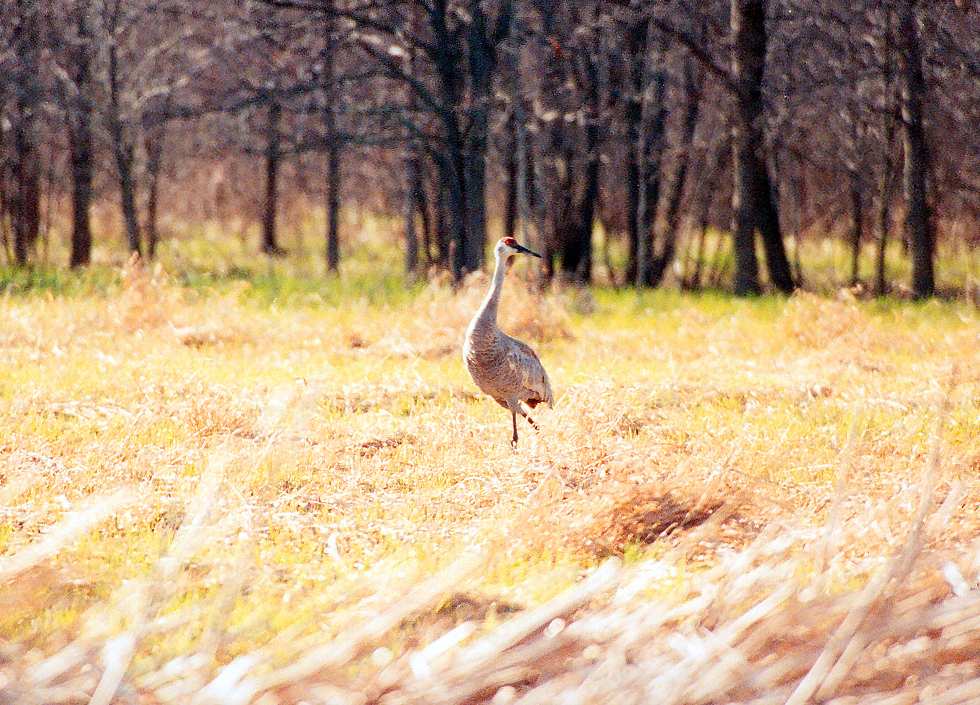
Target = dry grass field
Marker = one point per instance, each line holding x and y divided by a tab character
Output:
208	496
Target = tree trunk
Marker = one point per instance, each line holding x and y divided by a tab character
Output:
777	263
125	156
81	191
743	215
422	205
651	155
333	207
524	175
127	191
79	111
511	163
443	237
917	230
649	146
412	187
5	208
675	189
636	47
695	280
886	175
270	245
26	212
26	206
154	141
882	217
886	183
799	186
333	148
753	205
641	257
576	255
632	207
481	67
464	62
745	167
451	160
857	226
455	210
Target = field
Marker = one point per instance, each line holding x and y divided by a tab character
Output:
250	489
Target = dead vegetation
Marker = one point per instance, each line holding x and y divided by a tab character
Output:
314	506
765	624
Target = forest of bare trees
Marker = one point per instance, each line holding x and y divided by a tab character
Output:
648	122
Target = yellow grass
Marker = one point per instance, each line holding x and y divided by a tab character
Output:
205	477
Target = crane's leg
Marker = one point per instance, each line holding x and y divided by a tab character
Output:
513	416
527	417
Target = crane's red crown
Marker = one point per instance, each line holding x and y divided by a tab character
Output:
509	241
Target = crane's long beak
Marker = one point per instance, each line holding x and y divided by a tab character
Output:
521	248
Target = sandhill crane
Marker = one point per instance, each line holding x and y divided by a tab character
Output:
506	369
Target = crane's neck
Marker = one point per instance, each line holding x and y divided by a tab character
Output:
488	311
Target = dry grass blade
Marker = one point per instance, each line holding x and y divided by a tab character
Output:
522	626
349	646
57	538
840	487
846	644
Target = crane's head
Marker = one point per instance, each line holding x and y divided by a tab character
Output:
508	246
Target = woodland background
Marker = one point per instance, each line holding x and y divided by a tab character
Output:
257	471
628	141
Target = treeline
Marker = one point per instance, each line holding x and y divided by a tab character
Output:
765	118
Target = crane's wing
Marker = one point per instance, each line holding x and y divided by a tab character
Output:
529	371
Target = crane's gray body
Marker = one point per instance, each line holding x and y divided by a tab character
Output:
503	367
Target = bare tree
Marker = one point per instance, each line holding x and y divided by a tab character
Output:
71	35
753	204
273	154
118	19
916	164
331	105
886	148
458	43
693	78
24	199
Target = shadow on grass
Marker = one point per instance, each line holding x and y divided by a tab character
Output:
646	517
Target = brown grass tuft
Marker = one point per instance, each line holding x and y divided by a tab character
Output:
645	515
